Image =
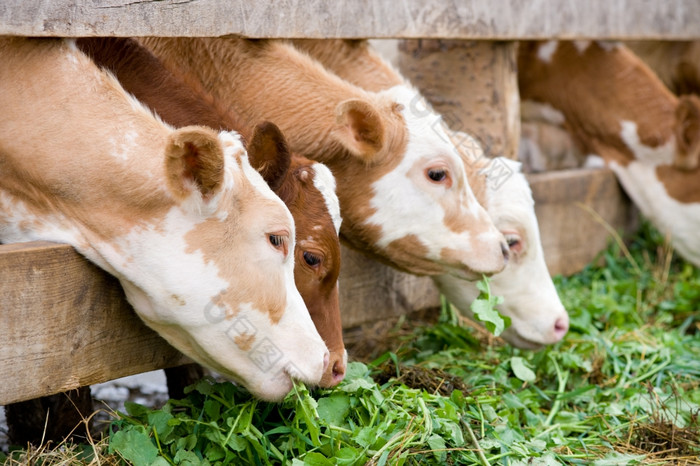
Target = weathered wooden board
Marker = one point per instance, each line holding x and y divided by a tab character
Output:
371	291
476	19
64	323
472	84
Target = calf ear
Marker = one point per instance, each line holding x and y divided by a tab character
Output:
687	131
359	128
269	154
194	161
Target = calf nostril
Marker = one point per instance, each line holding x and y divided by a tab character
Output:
561	326
505	251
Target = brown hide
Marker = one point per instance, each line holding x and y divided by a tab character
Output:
180	101
676	63
600	87
596	90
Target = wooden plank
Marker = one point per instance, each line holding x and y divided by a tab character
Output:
448	19
65	323
371	291
571	234
472	84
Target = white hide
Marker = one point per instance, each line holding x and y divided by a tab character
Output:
406	203
530	299
680	221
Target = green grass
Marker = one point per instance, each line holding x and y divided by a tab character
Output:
622	388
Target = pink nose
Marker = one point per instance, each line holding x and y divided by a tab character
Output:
561	326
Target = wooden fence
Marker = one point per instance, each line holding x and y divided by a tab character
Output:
64	323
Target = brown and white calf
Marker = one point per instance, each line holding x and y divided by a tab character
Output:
614	106
306	187
530	298
199	242
403	191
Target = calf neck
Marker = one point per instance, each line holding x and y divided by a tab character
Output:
403	192
198	241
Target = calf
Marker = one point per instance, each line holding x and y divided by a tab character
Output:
530	298
198	241
403	192
306	187
615	107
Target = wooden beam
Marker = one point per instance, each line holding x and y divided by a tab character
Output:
472	84
65	323
447	19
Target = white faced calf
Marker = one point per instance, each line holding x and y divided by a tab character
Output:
530	299
199	242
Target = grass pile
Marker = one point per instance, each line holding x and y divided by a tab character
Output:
622	388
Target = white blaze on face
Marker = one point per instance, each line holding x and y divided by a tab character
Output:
324	181
159	261
405	202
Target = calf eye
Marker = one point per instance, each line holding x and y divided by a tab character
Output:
276	240
279	242
437	174
515	244
311	259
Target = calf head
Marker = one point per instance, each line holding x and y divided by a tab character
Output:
308	190
530	299
405	196
215	277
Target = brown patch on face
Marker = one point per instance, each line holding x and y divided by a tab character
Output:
244	341
178	299
231	245
681	185
595	91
